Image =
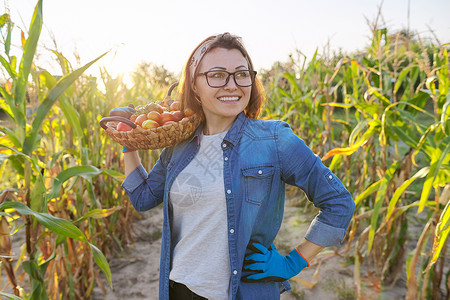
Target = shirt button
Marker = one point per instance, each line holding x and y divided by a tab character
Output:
226	158
331	177
224	145
260	172
235	272
231	230
228	191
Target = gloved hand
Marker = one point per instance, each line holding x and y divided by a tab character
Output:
125	111
271	265
125	149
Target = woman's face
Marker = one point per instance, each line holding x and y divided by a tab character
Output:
223	103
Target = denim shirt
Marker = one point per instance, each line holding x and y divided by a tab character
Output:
259	158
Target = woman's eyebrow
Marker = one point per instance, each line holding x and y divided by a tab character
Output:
223	68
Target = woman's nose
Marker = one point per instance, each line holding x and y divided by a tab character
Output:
231	84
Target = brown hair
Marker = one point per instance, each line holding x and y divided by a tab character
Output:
226	41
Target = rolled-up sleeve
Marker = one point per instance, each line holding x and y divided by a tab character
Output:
147	190
302	168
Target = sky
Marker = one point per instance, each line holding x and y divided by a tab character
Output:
165	32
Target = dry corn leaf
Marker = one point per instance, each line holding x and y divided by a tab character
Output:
314	279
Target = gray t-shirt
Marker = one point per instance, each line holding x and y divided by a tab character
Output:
199	232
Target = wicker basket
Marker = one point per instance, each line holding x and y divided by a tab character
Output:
155	138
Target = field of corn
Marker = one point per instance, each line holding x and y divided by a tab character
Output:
379	119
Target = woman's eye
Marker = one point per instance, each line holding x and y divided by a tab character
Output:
217	75
243	74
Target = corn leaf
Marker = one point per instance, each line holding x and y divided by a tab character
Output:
99	213
86	172
54	224
399	191
435	165
63	84
369	191
10	296
72	116
8	67
28	54
381	193
101	262
441	235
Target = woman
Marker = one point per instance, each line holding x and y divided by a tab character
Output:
223	189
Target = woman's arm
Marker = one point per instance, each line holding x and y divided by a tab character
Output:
308	249
131	160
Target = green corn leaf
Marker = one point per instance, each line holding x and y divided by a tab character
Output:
381	193
369	191
19	117
8	40
102	263
12	137
86	172
8	67
399	191
10	296
401	77
445	116
435	165
28	54
54	224
99	213
47	79
63	84
72	116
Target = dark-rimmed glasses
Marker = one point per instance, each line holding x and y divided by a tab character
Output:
242	78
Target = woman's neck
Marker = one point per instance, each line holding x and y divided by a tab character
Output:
214	127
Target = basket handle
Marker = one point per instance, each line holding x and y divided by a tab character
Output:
116	118
169	92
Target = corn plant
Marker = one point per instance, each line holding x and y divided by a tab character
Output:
380	120
45	175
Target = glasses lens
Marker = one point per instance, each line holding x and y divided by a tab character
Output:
243	78
216	78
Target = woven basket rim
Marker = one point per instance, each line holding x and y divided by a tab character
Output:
154	138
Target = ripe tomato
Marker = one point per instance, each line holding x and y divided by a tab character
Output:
148	124
176	105
155	116
155	107
169	122
177	116
166	116
188	112
123	127
140	119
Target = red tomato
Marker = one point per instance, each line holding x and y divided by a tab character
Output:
140	119
155	116
166	116
177	115
123	127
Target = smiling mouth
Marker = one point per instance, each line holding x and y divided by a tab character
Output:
227	99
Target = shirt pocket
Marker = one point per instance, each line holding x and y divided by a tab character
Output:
257	183
335	183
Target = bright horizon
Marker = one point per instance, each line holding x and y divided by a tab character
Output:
165	32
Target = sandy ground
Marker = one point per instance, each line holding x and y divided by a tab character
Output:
135	272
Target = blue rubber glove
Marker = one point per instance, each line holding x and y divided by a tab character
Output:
125	111
125	149
271	265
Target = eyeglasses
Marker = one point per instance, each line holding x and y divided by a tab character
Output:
218	79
